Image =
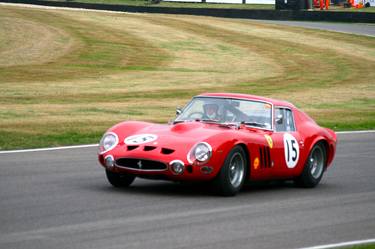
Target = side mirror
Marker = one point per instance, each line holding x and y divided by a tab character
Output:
279	119
178	111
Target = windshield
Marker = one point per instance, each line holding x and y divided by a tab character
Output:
225	110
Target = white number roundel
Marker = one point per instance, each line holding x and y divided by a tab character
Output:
140	139
291	150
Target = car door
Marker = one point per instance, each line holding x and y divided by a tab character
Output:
287	143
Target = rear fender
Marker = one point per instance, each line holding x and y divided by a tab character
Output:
329	147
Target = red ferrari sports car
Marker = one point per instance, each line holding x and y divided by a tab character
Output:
222	138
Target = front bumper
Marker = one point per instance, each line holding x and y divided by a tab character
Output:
153	164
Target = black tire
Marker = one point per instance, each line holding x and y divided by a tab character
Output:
119	180
227	183
311	177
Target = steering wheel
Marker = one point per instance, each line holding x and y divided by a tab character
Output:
196	115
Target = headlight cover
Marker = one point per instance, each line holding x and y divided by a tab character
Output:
108	142
200	153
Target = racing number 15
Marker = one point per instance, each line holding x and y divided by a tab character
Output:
291	150
294	150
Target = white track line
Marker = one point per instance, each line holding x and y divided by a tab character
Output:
342	244
25	5
93	145
354	132
49	149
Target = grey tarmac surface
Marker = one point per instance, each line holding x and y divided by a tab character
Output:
367	29
60	199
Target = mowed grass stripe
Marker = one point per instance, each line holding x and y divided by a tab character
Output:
96	49
138	66
320	69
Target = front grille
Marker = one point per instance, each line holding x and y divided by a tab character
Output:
140	164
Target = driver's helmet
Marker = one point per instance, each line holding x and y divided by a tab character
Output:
211	110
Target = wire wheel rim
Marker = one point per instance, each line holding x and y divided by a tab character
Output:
236	170
316	162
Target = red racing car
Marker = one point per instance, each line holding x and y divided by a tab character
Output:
222	138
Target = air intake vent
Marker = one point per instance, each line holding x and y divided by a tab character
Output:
149	148
166	151
265	157
132	147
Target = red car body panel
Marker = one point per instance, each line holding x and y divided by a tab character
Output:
265	149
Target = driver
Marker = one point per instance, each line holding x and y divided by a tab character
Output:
211	111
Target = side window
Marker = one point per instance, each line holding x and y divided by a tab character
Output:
284	120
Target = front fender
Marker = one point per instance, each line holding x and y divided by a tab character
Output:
221	146
126	128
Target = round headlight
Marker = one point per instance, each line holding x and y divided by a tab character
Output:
201	152
108	142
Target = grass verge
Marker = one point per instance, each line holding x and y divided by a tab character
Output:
367	246
66	76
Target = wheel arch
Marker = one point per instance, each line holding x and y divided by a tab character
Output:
248	158
305	178
324	142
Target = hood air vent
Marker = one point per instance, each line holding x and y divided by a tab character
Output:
166	151
149	148
132	147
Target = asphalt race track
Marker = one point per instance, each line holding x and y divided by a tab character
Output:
367	29
60	199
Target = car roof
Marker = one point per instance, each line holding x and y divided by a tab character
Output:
275	102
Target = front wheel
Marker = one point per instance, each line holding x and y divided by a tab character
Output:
119	180
314	167
232	175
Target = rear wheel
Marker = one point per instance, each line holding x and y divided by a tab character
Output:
232	175
119	180
314	167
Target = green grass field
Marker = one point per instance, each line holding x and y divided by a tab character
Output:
66	76
366	246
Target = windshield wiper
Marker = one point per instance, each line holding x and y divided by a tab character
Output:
206	120
225	124
253	124
196	120
178	121
229	124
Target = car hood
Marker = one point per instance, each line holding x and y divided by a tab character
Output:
181	135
